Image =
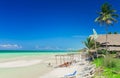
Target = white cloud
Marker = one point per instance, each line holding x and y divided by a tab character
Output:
10	46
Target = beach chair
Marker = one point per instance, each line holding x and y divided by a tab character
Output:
87	73
73	75
90	67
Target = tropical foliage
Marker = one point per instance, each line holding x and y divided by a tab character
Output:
90	43
110	67
115	32
107	15
109	32
112	32
109	62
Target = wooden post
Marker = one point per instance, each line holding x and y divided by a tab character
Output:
72	57
60	60
69	57
63	59
56	59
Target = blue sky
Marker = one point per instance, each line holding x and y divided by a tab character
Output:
50	24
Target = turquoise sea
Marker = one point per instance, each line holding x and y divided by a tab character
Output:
17	53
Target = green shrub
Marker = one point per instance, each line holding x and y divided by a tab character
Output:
103	51
113	52
111	70
109	62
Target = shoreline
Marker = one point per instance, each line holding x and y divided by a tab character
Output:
33	65
25	65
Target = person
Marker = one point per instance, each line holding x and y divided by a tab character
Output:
49	64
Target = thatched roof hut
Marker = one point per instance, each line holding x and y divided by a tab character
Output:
113	41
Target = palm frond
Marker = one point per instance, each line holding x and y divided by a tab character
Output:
89	43
115	15
107	15
113	19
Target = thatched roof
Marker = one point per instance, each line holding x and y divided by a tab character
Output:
114	48
110	48
112	39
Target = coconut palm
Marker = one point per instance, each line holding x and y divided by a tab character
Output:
89	43
107	17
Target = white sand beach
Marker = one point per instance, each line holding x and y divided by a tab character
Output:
25	66
34	66
19	63
60	72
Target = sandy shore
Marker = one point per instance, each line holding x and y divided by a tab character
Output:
19	63
25	66
33	66
60	72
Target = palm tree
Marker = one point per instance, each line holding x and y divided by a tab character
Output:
89	43
109	32
106	18
115	32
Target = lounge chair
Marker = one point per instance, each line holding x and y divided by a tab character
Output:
88	73
89	67
73	75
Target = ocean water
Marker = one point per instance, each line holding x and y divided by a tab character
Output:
18	53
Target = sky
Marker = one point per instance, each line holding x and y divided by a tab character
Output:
50	24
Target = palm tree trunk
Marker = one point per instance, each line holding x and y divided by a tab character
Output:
106	39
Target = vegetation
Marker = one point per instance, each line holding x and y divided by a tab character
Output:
110	67
109	62
90	43
109	32
103	51
106	17
91	46
113	33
